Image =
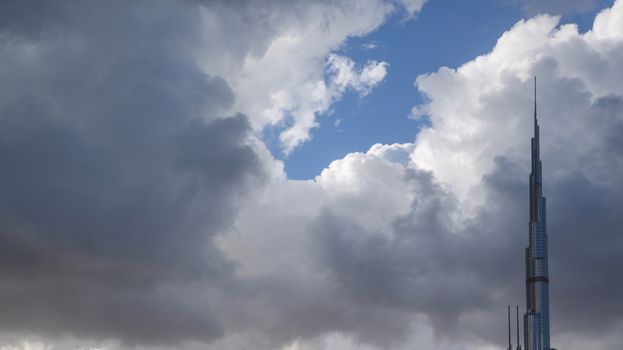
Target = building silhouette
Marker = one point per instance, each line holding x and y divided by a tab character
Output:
536	318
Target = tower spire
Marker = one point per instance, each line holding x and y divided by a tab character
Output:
535	97
536	124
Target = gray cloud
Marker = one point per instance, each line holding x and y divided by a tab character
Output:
123	169
425	265
118	170
125	163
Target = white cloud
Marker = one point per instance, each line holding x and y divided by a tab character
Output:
481	109
609	23
25	345
372	74
398	244
281	81
367	186
316	97
370	46
412	6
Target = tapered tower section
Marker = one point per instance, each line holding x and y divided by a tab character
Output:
536	318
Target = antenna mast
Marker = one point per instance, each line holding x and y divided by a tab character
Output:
517	313
510	346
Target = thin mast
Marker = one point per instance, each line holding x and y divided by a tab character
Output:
517	313
510	346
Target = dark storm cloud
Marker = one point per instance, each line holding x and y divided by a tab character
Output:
118	169
29	17
585	217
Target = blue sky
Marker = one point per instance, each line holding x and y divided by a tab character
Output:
445	33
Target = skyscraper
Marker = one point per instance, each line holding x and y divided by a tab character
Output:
536	318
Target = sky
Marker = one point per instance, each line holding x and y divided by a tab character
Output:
295	175
462	31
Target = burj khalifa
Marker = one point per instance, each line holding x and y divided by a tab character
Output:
536	318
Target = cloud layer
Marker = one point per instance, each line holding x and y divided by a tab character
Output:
437	228
139	209
124	157
119	168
